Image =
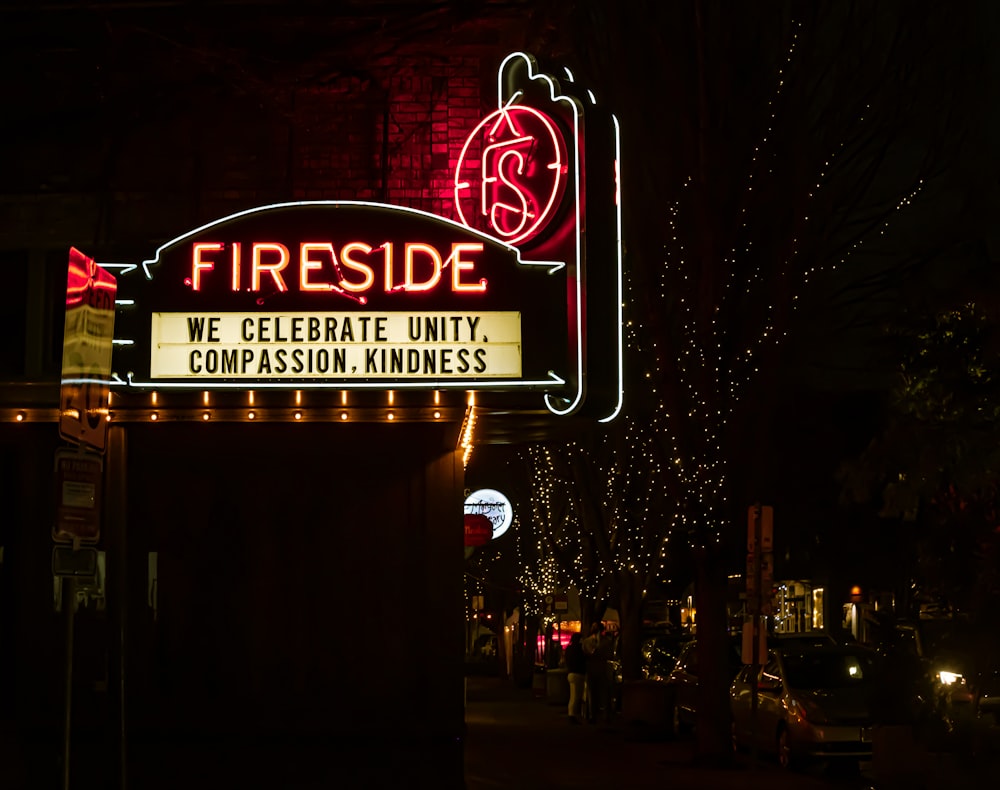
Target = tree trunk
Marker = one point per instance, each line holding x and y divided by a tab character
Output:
630	615
714	741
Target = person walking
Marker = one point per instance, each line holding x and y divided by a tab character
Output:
576	673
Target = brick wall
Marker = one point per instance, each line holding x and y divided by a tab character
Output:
389	132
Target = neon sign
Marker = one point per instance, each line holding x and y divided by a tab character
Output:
511	174
347	295
329	294
320	268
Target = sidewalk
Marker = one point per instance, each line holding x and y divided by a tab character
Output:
517	741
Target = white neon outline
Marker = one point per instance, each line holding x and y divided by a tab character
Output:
147	264
553	266
567	406
85	381
125	267
305	384
621	269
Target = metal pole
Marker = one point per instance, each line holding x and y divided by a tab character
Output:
755	633
117	486
69	604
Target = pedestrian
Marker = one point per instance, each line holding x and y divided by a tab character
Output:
576	673
599	651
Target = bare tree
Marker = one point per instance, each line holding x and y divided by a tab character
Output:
772	153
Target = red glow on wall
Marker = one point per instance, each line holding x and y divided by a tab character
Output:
511	174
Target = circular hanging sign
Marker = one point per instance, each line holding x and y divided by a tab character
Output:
511	174
492	504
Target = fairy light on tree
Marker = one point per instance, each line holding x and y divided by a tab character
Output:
740	205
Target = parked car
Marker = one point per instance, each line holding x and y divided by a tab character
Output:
660	654
988	696
812	701
683	682
952	663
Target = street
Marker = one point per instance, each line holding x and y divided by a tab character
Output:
517	740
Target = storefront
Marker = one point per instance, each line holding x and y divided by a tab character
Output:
295	389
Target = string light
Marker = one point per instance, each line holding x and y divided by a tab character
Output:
622	502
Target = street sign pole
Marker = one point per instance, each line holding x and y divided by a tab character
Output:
760	577
754	633
69	606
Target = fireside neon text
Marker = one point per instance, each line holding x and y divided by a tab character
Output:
317	266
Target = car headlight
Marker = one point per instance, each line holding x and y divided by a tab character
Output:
948	678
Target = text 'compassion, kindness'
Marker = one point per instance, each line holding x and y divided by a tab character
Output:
336	344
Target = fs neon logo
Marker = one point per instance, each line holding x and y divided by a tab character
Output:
511	174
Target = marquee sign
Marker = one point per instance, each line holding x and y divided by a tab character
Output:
345	295
353	295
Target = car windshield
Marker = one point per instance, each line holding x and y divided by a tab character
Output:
823	669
